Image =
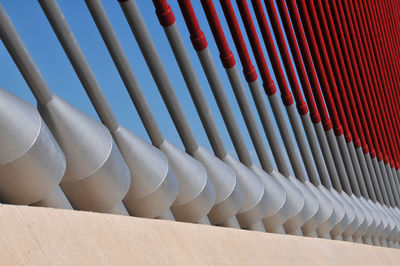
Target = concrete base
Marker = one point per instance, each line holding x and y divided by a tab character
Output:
37	236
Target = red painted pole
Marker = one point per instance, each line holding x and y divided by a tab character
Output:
351	112
382	73
269	43
306	187
390	112
352	21
316	41
286	95
385	64
337	127
342	82
312	76
360	110
366	75
292	192
306	82
310	152
363	81
393	57
371	66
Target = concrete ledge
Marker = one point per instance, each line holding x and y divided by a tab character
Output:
39	236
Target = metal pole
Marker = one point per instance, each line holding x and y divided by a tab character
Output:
324	212
385	95
385	13
388	125
359	117
361	223
336	220
94	164
395	73
362	104
254	206
359	163
222	176
278	211
333	183
312	208
352	22
298	212
184	173
146	177
346	142
362	147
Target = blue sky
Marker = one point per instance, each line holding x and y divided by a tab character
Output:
44	47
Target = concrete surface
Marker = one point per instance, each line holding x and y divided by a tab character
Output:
42	236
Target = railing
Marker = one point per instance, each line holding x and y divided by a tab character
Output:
341	181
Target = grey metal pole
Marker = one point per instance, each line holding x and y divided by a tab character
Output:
221	175
322	139
298	211
379	185
337	187
154	187
352	163
342	149
325	211
334	196
348	37
388	221
31	162
254	206
301	210
186	172
315	216
94	164
300	104
278	211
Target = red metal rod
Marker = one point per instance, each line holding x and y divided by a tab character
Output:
268	83
316	40
394	37
337	127
248	68
226	55
386	71
368	127
269	43
196	34
393	96
357	68
389	80
308	63
386	12
395	31
330	59
164	13
391	56
365	43
346	67
342	102
366	77
368	63
392	10
352	39
314	112
396	11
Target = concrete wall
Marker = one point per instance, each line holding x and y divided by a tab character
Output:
40	236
